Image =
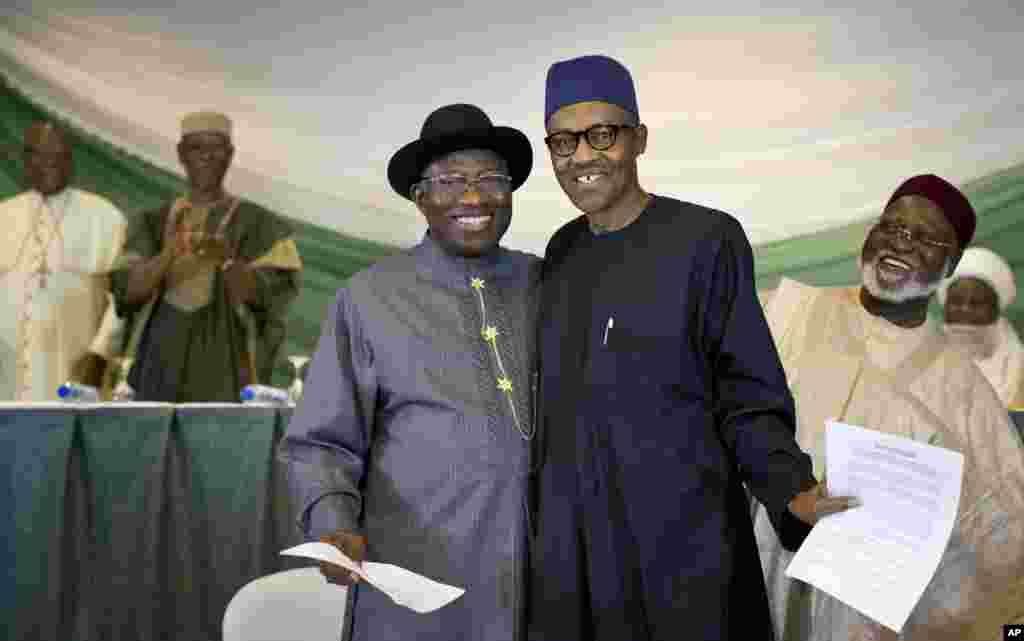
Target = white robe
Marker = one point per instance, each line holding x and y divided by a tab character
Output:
44	331
1005	367
844	363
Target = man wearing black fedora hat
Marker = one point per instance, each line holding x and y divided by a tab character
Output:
410	445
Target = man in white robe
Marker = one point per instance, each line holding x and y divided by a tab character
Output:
973	301
57	248
869	356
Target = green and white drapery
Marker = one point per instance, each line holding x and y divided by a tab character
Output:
134	185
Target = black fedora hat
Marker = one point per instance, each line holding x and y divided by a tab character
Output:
455	128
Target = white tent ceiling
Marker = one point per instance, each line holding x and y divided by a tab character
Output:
794	119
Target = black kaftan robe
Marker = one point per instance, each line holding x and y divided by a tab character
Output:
661	394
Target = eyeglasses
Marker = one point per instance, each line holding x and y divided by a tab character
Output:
893	230
454	185
600	137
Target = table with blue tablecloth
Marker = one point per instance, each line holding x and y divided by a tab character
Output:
136	521
139	521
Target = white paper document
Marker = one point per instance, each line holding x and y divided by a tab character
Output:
405	588
880	557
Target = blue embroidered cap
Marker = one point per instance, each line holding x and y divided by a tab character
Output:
589	78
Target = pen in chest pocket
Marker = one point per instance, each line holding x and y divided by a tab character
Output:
611	323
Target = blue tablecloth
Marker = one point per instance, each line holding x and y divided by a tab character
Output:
140	521
136	521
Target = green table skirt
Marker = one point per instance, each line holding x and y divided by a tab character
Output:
137	522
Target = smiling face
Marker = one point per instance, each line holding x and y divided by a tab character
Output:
599	182
206	156
47	159
897	269
470	224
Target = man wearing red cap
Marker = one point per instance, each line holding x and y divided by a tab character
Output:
869	356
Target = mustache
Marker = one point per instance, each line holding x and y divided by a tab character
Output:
579	170
918	287
919	272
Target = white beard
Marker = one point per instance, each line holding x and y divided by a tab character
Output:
910	291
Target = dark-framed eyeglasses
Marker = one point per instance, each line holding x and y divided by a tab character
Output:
454	185
893	230
600	137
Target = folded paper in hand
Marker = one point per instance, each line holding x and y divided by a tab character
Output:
405	588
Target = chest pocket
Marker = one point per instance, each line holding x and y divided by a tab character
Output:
633	359
626	341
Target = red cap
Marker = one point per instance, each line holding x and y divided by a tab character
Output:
949	199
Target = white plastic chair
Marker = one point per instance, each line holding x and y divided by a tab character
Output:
294	605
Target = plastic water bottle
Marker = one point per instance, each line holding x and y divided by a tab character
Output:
264	394
78	393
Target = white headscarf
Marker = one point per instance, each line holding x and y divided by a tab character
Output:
986	265
996	348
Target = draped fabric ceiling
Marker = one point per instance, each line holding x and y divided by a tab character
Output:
800	121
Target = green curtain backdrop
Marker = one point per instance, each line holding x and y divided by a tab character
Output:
824	258
136	186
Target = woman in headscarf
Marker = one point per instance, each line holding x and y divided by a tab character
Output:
974	300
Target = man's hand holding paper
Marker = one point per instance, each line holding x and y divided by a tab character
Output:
405	588
879	559
351	545
816	503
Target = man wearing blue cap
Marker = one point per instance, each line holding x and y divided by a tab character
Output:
661	394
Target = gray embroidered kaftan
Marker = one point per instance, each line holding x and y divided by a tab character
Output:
404	435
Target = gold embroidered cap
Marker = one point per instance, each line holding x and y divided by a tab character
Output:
206	121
